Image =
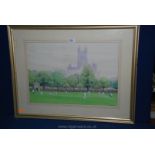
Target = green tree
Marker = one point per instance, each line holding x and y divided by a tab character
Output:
73	80
32	78
43	78
96	84
57	79
114	84
104	83
87	77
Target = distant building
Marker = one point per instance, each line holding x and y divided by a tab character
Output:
82	60
82	57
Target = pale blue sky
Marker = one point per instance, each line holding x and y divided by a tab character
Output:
53	56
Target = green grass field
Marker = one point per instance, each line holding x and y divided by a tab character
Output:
73	98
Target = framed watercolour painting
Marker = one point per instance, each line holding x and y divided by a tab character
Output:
74	72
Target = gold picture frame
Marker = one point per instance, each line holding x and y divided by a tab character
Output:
132	94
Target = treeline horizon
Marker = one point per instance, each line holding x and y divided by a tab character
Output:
86	80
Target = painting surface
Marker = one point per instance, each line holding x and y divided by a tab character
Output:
73	73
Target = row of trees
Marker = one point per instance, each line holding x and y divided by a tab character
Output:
57	79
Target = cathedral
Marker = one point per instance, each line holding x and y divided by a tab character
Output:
82	60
